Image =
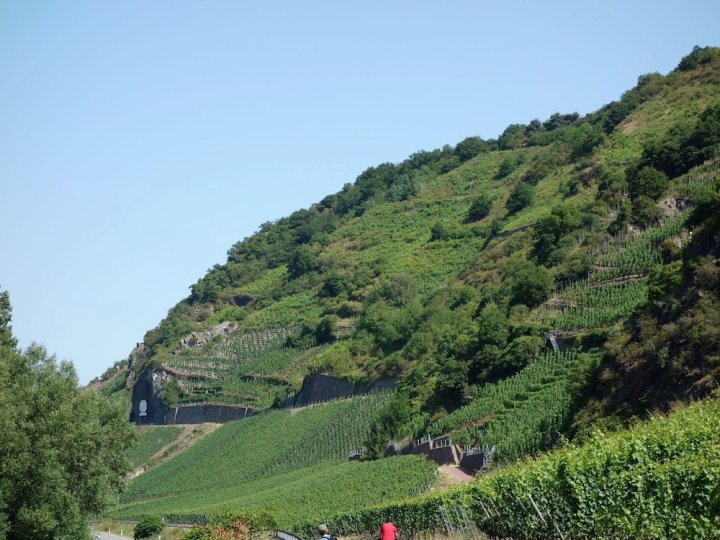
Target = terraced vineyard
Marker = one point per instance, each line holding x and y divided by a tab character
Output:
150	440
520	414
590	307
249	367
269	443
292	497
636	254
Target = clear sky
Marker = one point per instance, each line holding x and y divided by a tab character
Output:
140	140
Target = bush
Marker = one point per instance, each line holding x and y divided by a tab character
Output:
480	208
149	526
647	182
470	147
531	285
521	197
509	164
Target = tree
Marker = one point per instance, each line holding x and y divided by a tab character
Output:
62	447
470	147
326	330
149	526
302	261
480	207
647	182
531	285
521	197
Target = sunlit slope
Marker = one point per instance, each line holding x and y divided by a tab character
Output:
291	497
263	445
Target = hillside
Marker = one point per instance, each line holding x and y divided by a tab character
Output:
517	291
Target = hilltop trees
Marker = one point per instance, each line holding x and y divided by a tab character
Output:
62	447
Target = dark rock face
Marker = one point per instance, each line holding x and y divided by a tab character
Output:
317	388
147	405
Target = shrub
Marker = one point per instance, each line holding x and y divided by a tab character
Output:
521	197
149	526
480	207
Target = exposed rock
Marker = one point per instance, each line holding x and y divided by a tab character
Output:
197	339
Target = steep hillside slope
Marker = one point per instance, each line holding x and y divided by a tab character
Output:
446	272
517	292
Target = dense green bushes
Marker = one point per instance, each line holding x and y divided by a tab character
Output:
658	480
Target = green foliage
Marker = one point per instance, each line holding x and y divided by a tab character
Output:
658	480
531	285
63	448
470	147
513	137
593	307
7	341
148	527
480	207
387	424
302	261
327	329
493	326
582	139
520	414
149	441
520	197
263	445
647	182
611	115
548	232
664	280
697	57
510	164
229	525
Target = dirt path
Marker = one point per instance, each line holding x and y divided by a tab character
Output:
191	434
453	475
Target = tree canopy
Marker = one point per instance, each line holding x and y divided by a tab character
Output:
62	447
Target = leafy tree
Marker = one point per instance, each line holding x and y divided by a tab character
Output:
645	211
398	290
333	285
513	137
509	164
493	328
470	147
583	139
521	197
62	447
563	219
7	341
647	182
149	526
698	55
531	285
664	280
302	261
327	329
441	230
480	207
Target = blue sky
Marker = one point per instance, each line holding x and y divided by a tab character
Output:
140	140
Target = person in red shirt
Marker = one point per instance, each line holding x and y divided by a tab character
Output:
388	531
